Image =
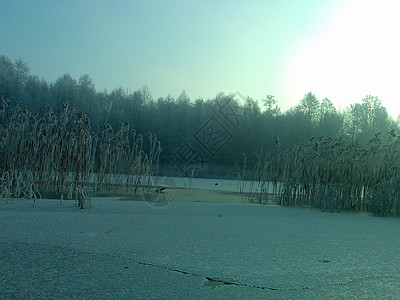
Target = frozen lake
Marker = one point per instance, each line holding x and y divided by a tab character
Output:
226	185
128	249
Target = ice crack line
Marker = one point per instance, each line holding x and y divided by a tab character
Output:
216	280
228	282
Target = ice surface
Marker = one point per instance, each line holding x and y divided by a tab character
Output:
128	249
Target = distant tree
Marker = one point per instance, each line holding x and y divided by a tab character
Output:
354	122
378	118
64	91
330	121
327	107
7	78
21	75
331	124
309	105
167	133
146	95
33	93
37	94
104	102
86	93
86	86
271	106
364	120
198	110
296	127
137	102
252	107
86	101
120	108
182	113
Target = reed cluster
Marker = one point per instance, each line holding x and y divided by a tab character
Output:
263	185
333	174
60	153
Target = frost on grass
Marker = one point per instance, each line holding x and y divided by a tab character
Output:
61	154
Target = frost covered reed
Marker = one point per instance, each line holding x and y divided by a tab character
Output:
60	153
262	178
333	174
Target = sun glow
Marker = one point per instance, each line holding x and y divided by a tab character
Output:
358	55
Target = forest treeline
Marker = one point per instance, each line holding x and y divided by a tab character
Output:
247	124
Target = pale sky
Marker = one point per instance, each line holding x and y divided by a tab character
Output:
340	49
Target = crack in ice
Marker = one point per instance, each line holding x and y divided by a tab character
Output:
227	282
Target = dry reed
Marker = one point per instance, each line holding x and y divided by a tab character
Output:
335	175
62	154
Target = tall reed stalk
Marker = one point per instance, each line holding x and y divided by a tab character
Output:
333	174
61	154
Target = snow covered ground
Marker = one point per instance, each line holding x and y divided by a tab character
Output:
194	249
